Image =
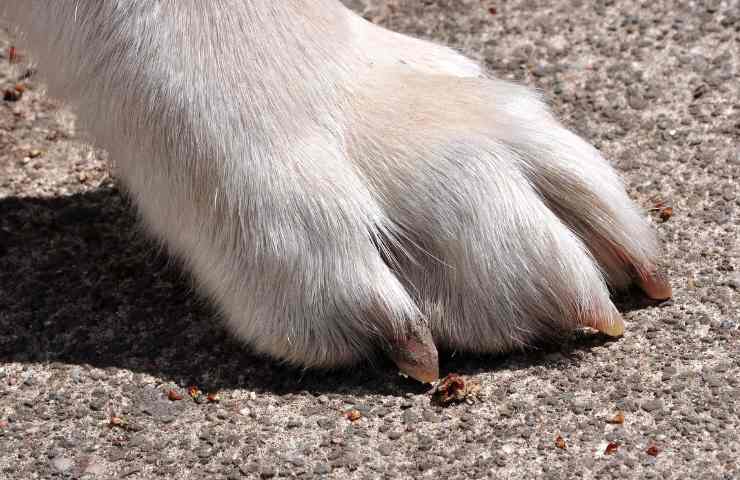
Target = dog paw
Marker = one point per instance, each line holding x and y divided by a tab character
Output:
508	227
452	212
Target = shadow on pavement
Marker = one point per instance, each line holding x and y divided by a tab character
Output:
80	284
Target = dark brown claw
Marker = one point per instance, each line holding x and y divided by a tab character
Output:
416	355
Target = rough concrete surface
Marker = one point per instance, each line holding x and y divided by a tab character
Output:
96	326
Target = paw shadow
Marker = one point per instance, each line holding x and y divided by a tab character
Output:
80	284
547	354
634	299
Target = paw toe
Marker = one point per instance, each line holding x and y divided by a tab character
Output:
654	283
609	321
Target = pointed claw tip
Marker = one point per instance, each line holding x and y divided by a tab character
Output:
610	323
656	287
654	283
423	375
416	356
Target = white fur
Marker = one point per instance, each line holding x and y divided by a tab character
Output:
332	184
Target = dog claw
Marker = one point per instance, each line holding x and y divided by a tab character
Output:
654	283
416	355
647	276
610	323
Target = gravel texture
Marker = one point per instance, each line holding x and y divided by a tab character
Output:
96	327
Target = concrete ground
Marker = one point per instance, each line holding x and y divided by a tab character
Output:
96	328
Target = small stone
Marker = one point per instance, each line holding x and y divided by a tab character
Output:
167	419
394	435
700	90
322	469
97	404
117	455
296	461
386	449
326	423
652	405
131	471
430	416
637	102
540	70
381	412
735	158
294	423
267	471
425	443
714	381
203	453
668	373
61	464
249	468
95	467
346	459
410	417
734	281
580	407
